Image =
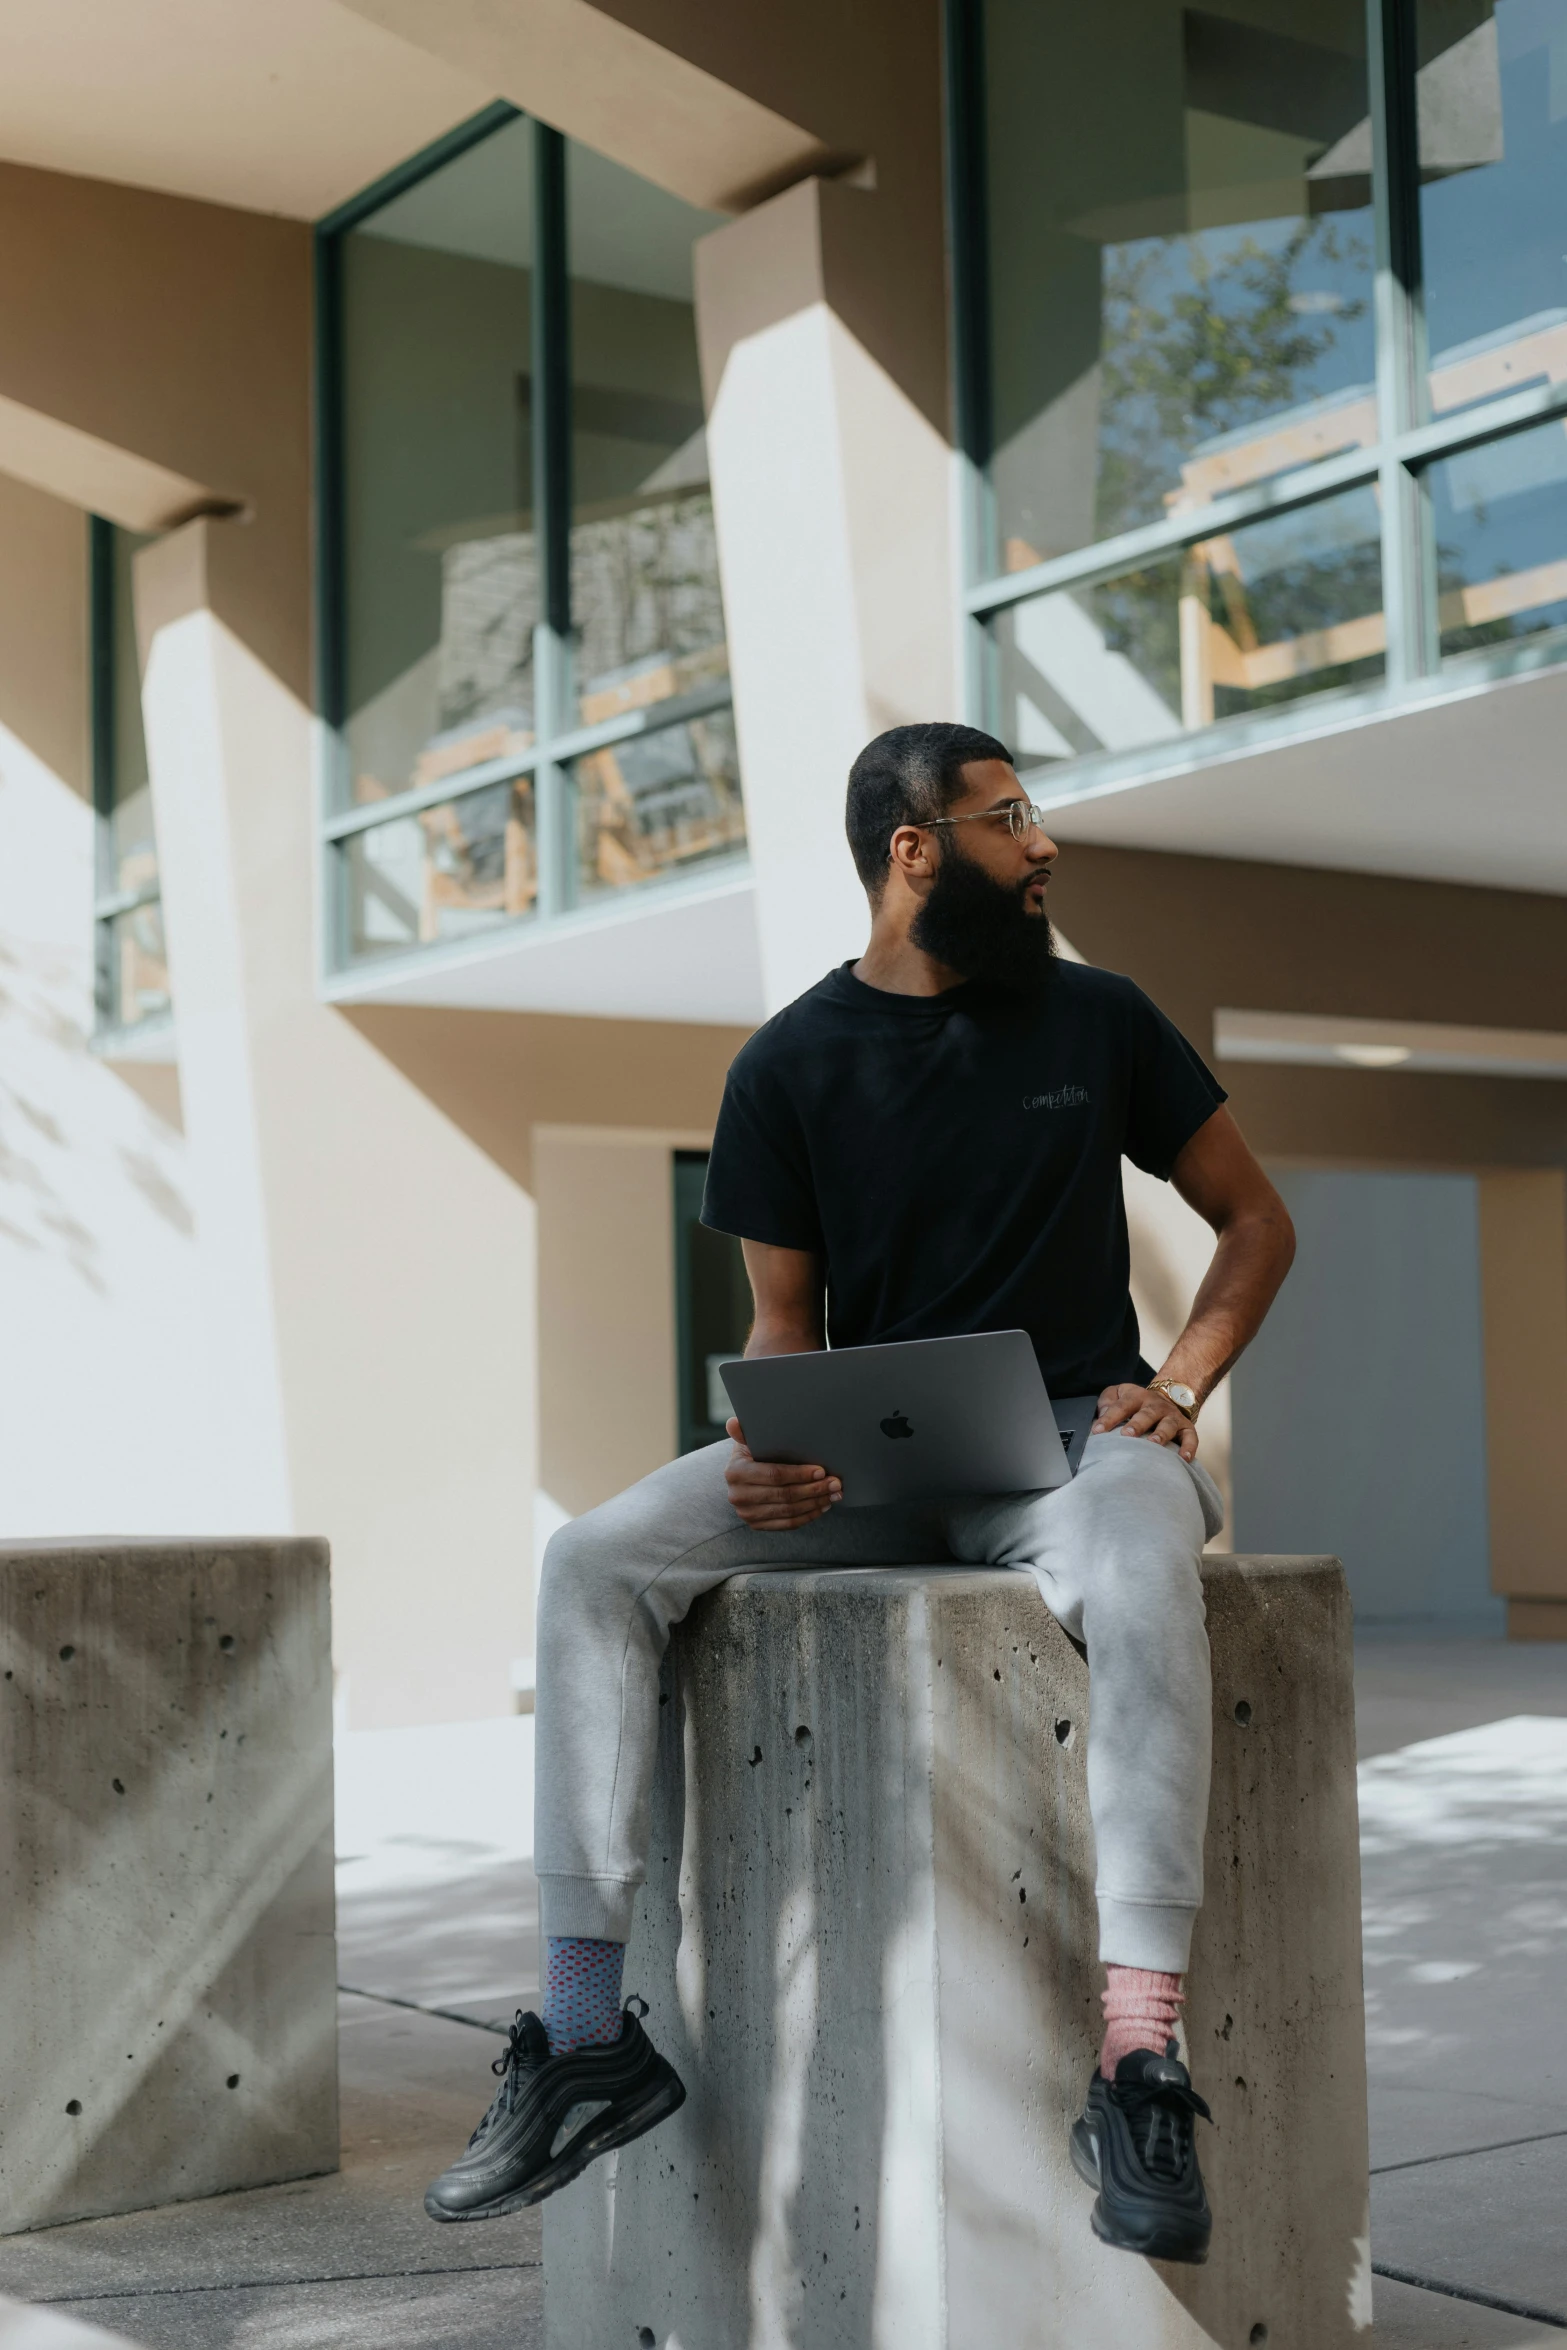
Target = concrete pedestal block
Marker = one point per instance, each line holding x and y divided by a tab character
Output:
868	1940
167	1954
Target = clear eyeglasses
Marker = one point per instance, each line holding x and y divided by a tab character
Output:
1020	816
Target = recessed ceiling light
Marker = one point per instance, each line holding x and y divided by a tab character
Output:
1375	1056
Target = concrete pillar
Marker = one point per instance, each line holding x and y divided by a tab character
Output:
168	1970
368	1269
868	1942
833	491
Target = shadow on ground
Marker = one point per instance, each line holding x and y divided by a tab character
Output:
348	2259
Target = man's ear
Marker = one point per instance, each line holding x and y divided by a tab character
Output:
911	854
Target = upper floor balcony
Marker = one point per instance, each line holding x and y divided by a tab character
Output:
532	794
1279	501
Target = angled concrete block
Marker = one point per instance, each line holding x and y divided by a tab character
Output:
868	1939
167	1959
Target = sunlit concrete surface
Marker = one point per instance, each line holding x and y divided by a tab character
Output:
436	1900
1465	1844
166	1952
25	2328
869	1941
348	2259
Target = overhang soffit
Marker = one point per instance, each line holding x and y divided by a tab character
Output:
619	91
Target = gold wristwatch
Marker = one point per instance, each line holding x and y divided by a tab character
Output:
1184	1398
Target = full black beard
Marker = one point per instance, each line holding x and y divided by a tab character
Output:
983	928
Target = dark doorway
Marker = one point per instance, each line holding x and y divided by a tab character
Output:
712	1307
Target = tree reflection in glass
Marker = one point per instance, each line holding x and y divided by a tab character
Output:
1181	256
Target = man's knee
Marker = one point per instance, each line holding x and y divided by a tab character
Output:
1131	1484
1143	1535
580	1562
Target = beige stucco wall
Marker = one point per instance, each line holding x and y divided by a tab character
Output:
607	1412
500	1075
1200	933
371	1352
43	630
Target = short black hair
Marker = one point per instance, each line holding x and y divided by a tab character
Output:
909	775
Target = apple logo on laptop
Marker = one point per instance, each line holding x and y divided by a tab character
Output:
896	1425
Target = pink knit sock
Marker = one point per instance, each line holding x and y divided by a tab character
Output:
1142	2010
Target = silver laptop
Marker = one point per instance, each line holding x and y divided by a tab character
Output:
914	1421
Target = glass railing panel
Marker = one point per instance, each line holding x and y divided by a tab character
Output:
1285	608
657	805
1499	516
135	967
446	873
129	844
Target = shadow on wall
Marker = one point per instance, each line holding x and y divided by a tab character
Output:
104	1417
1359	1411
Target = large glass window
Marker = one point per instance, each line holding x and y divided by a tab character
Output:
524	650
441	567
644	562
132	964
1492	128
1246	314
1182	253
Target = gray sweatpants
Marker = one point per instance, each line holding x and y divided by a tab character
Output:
1115	1554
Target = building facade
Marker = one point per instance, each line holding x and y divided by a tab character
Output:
469	483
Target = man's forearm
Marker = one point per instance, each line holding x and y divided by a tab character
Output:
1254	1254
785	1334
789	1289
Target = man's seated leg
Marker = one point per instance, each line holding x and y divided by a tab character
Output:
1117	1557
584	2078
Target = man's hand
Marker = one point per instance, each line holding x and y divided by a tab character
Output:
776	1496
1137	1411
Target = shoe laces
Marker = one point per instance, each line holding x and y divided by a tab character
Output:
514	2059
1159	2115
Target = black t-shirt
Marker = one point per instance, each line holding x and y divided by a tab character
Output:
956	1159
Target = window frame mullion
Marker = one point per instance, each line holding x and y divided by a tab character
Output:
1409	589
554	708
971	390
100	704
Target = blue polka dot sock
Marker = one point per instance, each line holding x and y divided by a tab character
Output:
581	1992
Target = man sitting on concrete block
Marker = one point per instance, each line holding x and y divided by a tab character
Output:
927	1144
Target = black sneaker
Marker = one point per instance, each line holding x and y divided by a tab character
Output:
1136	2144
552	2116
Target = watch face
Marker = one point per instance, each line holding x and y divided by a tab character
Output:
1184	1397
